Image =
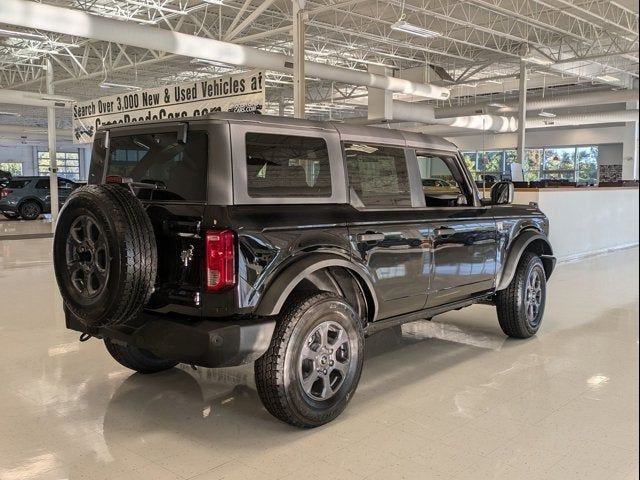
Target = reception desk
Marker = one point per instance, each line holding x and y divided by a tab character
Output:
588	220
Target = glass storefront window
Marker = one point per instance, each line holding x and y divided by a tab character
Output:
587	160
68	164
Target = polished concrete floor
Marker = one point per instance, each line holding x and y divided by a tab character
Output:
447	399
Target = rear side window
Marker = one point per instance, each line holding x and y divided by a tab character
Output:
287	166
18	183
179	169
378	175
43	184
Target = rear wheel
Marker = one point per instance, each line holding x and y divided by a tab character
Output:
312	367
137	359
521	305
30	210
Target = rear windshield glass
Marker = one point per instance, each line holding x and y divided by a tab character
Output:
178	169
287	166
18	183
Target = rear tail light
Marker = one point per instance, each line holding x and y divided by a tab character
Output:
221	260
5	192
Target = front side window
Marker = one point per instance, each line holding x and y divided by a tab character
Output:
378	175
178	169
287	166
442	185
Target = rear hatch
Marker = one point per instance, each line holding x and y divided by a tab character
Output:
169	171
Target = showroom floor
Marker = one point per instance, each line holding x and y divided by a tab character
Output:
451	398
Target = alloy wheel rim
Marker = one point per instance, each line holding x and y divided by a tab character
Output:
324	361
87	256
30	210
533	296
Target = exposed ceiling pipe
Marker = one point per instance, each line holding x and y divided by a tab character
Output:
66	21
595	118
34	99
563	101
20	132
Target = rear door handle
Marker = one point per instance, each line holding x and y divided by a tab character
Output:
370	237
444	232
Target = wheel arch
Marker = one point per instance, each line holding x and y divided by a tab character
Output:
30	198
529	240
322	272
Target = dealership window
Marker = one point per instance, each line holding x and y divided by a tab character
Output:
68	164
579	164
14	168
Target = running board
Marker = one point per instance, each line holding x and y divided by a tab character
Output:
425	314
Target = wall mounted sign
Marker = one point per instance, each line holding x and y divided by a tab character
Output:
243	92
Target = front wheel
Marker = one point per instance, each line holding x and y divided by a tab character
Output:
312	367
521	305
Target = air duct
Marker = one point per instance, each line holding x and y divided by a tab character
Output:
563	101
66	21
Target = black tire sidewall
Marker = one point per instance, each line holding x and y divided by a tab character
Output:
309	410
533	262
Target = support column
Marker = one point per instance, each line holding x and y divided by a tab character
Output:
379	102
522	113
298	58
53	161
630	147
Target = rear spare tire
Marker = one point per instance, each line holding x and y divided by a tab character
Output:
104	255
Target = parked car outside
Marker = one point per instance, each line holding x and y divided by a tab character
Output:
29	197
231	239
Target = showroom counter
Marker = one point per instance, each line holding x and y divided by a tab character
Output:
587	220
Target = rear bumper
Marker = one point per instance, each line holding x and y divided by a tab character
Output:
207	343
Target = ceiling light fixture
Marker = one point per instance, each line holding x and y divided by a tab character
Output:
21	35
406	27
497	82
608	78
118	85
11	114
498	105
214	2
538	60
546	114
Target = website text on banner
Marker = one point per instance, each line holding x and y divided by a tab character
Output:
243	92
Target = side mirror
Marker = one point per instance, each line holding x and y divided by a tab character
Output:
502	193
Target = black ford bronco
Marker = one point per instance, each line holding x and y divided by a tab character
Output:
235	238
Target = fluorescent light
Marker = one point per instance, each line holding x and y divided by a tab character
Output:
210	62
214	2
118	85
497	82
546	114
22	35
11	114
498	105
406	27
608	78
537	60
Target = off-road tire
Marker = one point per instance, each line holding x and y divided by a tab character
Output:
511	302
138	359
126	238
30	210
277	372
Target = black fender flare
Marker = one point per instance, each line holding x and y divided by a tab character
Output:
281	287
516	249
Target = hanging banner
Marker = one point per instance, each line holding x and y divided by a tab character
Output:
243	92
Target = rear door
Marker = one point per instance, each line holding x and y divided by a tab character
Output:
160	156
462	234
383	230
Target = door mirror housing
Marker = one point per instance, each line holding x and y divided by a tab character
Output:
502	193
